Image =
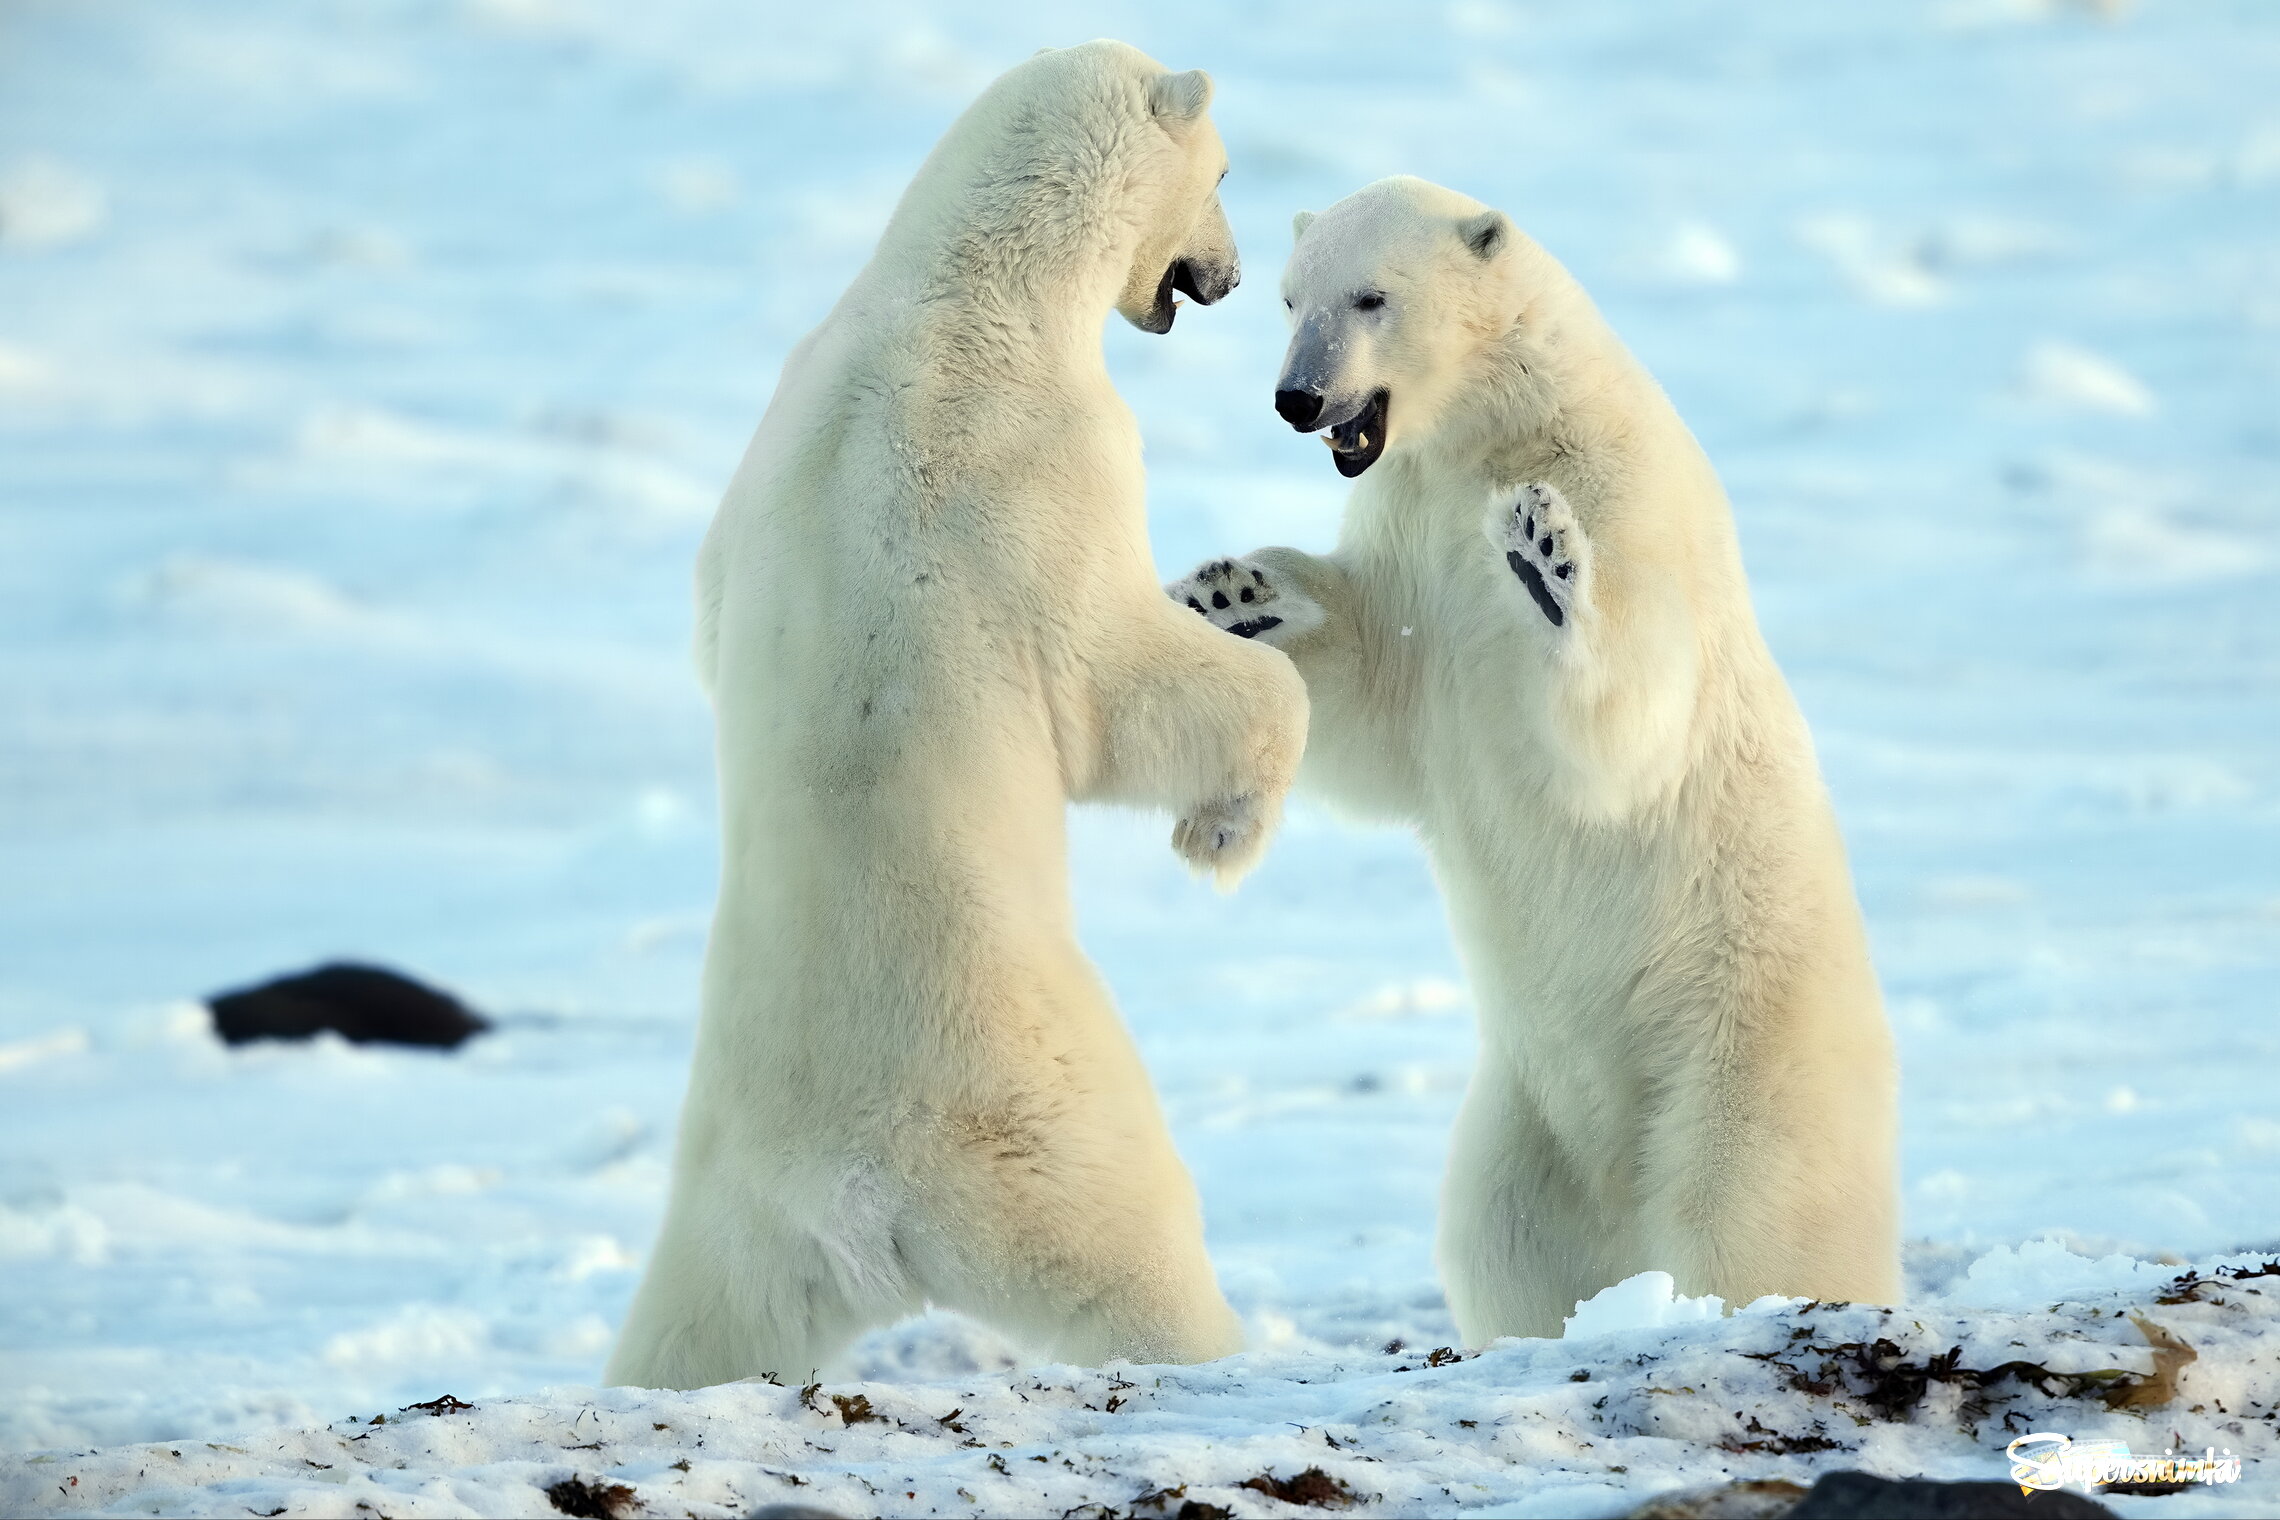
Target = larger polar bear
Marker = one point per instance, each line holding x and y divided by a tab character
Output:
1534	643
928	617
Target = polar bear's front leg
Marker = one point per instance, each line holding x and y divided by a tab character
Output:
1609	648
1354	652
1237	596
1206	726
1245	598
1548	551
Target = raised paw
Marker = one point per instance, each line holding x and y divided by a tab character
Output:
1547	551
1223	837
1246	599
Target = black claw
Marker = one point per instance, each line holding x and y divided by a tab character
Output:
1251	628
1536	587
1529	527
1192	602
1219	600
1261	579
1544	545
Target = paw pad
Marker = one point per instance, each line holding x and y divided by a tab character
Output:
1546	550
1231	595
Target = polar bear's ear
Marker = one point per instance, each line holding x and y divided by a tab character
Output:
1486	234
1180	97
1299	224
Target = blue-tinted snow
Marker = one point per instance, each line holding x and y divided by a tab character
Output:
368	372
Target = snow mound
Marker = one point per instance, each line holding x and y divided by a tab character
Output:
1667	1393
2043	1271
1644	1302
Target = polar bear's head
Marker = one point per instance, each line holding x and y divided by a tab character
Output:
1094	164
1393	295
1185	243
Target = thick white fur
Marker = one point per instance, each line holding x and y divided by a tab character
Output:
928	617
1684	1062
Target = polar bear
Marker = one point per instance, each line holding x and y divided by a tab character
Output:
928	617
1534	644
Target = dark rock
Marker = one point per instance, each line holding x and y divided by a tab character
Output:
1756	1499
362	1004
1862	1496
593	1500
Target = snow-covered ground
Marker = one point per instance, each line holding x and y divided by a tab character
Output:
368	369
1662	1397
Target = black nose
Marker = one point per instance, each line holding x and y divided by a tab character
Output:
1298	408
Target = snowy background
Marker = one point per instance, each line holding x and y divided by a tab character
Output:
369	369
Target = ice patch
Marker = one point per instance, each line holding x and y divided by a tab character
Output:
62	1230
249	598
418	1334
1975	892
592	1254
449	1180
2131	542
402	460
1699	254
2258	162
22	1053
699	186
586	1338
1972	241
1426	998
47	204
1879	273
22	370
2038	1273
2067	375
1645	1301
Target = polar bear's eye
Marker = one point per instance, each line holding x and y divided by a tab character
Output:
1369	302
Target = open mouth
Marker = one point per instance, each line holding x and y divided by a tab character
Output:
1161	314
1356	443
1180	276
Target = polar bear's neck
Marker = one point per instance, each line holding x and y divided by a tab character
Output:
1558	392
1017	242
1558	398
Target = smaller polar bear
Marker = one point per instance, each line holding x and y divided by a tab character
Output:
1534	644
928	618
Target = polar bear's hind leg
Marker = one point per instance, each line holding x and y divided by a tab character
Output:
745	1296
1524	1236
1547	550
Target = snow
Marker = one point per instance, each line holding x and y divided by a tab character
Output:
1641	1302
367	372
1525	1428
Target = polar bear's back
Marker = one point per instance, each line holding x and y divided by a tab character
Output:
852	619
890	614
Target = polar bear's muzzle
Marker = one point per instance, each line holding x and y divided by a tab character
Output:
1356	440
1200	282
1203	282
1356	443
